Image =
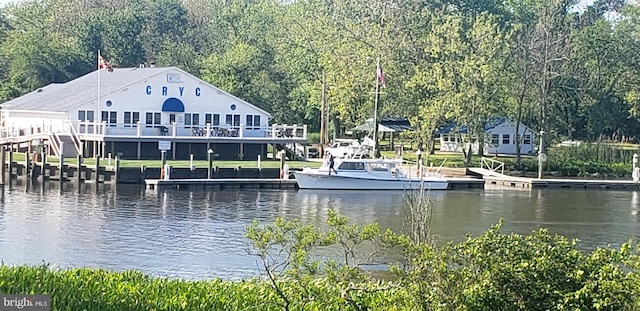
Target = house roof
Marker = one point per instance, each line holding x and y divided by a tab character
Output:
386	125
453	126
66	96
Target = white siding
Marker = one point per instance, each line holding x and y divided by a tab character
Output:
149	96
448	144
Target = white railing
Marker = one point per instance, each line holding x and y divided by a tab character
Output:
74	136
55	144
492	165
97	131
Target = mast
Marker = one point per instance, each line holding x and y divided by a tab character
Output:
98	118
323	127
376	151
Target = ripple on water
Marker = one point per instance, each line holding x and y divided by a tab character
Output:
200	234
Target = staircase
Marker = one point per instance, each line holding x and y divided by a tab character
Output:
289	151
69	148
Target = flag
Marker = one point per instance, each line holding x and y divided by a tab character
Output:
380	75
103	64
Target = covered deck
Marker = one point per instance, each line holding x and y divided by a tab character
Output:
91	138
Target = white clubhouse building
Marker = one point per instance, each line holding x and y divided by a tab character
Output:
135	112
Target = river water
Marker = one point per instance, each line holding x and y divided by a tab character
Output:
199	234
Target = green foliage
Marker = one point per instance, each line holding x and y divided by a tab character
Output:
514	272
573	72
290	256
590	160
494	271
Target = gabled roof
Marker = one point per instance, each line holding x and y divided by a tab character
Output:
83	90
453	126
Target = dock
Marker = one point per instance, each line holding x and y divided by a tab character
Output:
226	183
241	183
493	178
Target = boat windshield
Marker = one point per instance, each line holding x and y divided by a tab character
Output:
378	167
351	166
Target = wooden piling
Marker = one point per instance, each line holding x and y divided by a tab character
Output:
97	169
27	166
43	171
61	180
3	160
10	165
80	166
143	172
116	175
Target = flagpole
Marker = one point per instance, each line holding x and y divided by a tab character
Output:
376	152
98	118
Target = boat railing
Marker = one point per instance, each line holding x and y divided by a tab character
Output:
492	165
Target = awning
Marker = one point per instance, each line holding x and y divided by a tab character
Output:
388	125
173	105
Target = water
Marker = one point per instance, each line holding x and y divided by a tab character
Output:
200	234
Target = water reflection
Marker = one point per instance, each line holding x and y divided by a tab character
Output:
200	234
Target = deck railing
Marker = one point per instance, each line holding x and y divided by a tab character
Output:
97	131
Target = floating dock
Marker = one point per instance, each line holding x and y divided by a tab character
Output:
533	183
492	178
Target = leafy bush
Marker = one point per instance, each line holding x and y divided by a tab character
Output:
515	272
494	271
313	138
591	160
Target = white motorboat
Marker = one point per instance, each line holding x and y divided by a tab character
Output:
368	174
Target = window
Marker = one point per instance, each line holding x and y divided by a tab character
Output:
506	139
253	122
352	166
110	117
216	119
90	116
228	119
236	120
445	138
131	118
113	117
191	119
152	118
527	139
207	118
82	115
249	120
495	139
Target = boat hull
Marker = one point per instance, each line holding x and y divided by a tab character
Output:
337	182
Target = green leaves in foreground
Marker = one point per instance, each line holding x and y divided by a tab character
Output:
524	272
309	268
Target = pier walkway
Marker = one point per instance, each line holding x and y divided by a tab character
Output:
497	179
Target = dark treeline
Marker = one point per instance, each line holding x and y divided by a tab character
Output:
555	65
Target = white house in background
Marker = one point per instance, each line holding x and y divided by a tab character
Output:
135	112
500	138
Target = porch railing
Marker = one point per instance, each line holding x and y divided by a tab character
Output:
97	131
